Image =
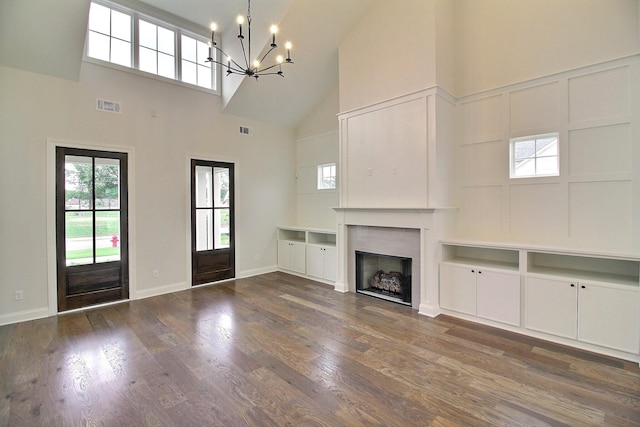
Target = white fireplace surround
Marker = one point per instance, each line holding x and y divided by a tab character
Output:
416	231
400	242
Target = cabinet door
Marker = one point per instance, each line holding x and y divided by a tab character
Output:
551	306
498	296
609	317
315	261
298	257
330	265
458	288
284	255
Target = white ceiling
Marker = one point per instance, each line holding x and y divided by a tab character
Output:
315	27
47	37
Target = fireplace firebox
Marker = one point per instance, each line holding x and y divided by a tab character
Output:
384	276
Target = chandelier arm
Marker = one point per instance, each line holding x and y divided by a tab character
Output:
267	54
270	74
229	69
269	68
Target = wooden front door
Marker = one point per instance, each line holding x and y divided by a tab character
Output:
212	221
91	227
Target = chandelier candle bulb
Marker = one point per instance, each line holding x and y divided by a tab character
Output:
274	31
214	27
240	20
288	47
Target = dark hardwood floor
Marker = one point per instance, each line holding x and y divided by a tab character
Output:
278	350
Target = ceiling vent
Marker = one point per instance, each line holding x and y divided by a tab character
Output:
108	106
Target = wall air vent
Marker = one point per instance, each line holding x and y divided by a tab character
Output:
108	106
244	130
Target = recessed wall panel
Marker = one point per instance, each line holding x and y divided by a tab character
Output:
307	180
482	118
605	149
599	95
535	108
538	213
387	156
484	164
600	214
480	213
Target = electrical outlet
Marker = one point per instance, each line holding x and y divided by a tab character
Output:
19	295
155	274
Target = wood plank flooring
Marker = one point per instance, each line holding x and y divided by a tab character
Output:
278	350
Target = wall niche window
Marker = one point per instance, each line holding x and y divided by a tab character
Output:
327	176
534	156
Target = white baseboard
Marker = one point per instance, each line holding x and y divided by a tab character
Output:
428	310
23	316
342	287
160	290
256	271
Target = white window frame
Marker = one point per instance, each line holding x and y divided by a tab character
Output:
322	177
534	158
135	46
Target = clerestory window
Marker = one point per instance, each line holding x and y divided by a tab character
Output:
129	39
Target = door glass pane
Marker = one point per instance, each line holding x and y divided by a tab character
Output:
204	227
107	236
221	187
79	238
204	187
221	230
107	183
78	177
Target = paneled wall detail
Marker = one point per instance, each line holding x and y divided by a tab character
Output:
392	156
315	207
595	202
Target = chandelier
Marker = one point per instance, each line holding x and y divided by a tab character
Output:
244	67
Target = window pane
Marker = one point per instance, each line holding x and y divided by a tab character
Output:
166	41
99	19
547	147
547	166
121	26
221	187
203	53
189	49
204	229
204	186
147	35
221	231
189	72
525	167
166	67
98	46
107	183
78	175
204	76
524	149
79	238
107	236
148	60
121	52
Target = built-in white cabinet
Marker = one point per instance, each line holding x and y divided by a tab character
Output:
322	262
481	282
292	256
307	251
588	300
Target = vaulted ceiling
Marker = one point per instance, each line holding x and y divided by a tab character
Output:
47	37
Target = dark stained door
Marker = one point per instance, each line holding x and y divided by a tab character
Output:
212	221
91	227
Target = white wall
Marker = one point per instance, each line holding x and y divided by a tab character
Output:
188	122
501	42
389	54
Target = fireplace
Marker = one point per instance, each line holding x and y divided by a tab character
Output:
384	276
